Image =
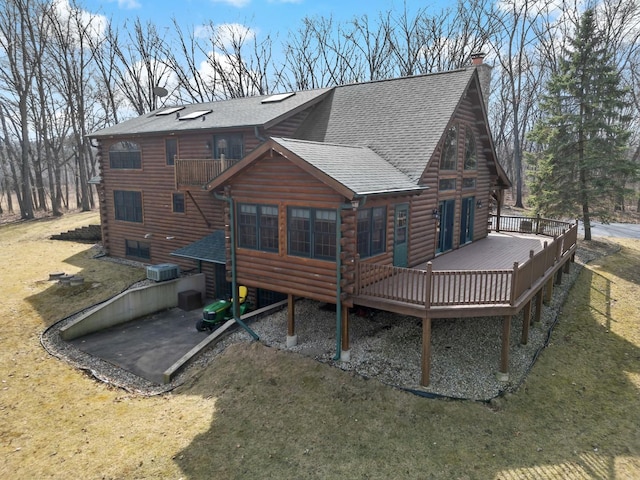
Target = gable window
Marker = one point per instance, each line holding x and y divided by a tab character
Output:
258	227
134	248
312	233
468	183
228	145
177	201
371	231
127	205
125	155
470	157
171	150
449	156
447	184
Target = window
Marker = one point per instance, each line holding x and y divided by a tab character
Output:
128	205
371	231
134	248
468	183
470	157
449	156
258	227
178	202
170	150
312	233
125	155
447	184
228	145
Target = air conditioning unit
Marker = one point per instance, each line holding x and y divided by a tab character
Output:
163	271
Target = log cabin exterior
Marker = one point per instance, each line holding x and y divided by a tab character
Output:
322	194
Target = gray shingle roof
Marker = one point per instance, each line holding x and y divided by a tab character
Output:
401	119
209	249
359	169
238	112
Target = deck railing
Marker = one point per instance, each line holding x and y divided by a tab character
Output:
444	288
198	172
537	225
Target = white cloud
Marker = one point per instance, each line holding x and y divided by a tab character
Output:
129	4
226	34
78	19
234	3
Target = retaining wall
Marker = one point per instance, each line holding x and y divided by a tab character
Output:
132	304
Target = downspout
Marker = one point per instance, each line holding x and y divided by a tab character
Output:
234	281
346	206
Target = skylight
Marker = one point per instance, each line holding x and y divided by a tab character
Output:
169	111
196	114
278	97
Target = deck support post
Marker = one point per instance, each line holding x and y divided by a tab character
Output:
526	321
567	266
292	338
426	351
548	294
559	277
345	351
538	308
503	374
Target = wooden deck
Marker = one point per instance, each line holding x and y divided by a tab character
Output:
493	276
497	276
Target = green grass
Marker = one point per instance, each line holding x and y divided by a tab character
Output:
256	412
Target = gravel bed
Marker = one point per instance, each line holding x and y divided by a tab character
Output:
465	353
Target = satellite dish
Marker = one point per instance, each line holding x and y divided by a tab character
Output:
160	92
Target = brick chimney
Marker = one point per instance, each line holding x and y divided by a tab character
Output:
484	74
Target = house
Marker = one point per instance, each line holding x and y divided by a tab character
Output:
314	194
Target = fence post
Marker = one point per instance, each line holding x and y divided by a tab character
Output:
358	273
514	283
538	224
427	287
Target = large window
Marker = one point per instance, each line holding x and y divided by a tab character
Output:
171	150
125	155
470	157
258	227
371	231
312	233
228	145
134	248
128	205
449	156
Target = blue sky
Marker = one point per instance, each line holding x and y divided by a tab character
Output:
263	16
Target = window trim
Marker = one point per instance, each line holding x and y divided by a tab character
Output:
447	145
470	139
371	231
125	217
259	228
173	203
125	163
147	247
312	233
170	162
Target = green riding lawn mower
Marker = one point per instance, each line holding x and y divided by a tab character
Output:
218	312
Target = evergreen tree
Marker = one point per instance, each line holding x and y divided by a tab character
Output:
583	135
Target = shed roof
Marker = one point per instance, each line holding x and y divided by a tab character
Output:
233	113
208	249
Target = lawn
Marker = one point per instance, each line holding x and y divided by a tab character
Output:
261	413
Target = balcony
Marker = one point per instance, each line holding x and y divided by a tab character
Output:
196	173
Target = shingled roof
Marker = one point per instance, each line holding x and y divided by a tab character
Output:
359	169
401	119
262	111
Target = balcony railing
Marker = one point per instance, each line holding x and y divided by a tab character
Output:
199	172
451	288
